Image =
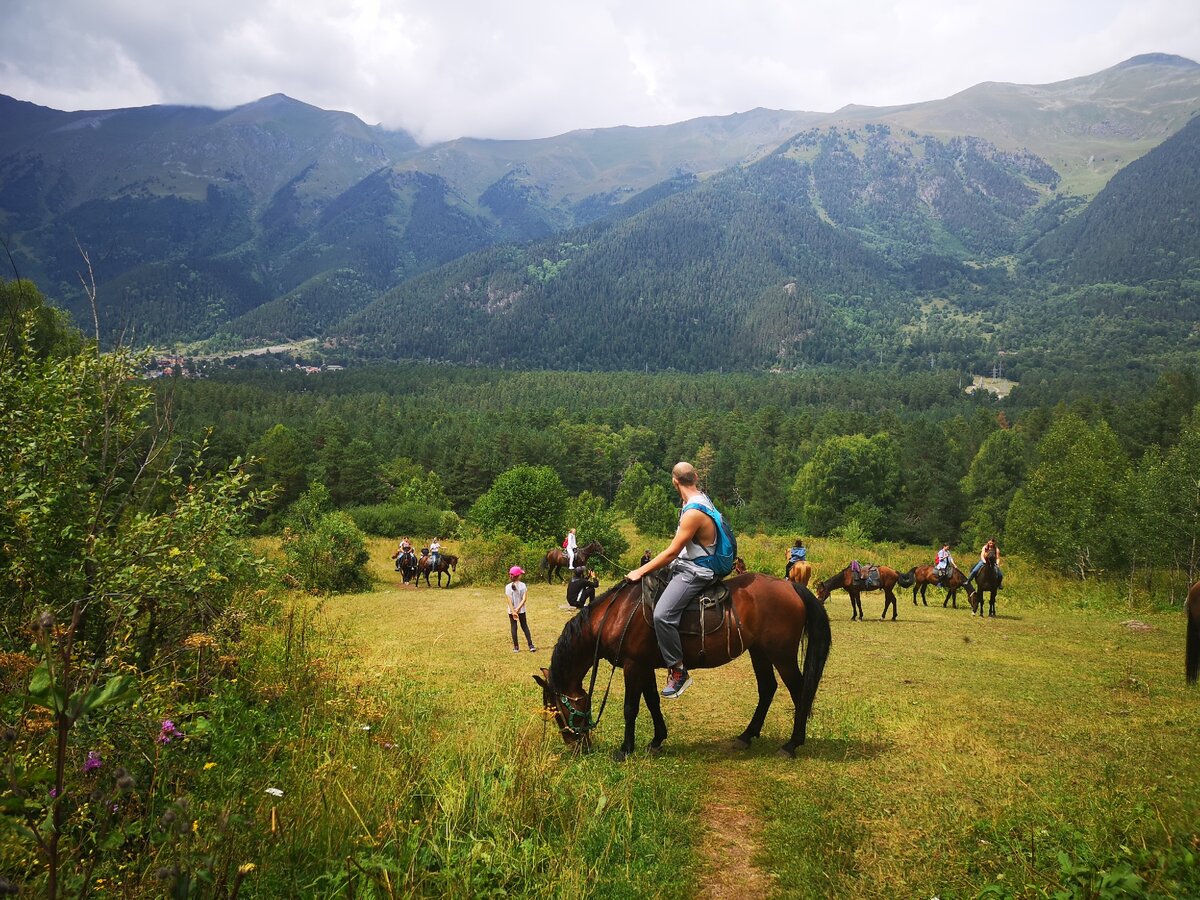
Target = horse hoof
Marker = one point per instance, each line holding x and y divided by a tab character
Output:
786	753
654	749
741	743
621	755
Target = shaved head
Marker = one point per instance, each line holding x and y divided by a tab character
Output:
685	474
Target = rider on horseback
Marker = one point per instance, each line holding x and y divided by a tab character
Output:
695	537
570	547
435	553
944	564
989	549
795	554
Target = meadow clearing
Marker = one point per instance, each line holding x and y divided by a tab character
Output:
1050	749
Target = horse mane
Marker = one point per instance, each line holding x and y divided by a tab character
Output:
576	628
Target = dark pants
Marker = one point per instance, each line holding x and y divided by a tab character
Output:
587	593
524	627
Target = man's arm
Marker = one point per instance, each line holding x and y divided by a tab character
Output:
689	524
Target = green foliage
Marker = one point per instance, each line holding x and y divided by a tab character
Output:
851	476
408	518
1067	513
655	514
325	551
592	520
996	472
486	558
634	482
528	501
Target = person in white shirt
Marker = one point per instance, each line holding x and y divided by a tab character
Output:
515	590
571	547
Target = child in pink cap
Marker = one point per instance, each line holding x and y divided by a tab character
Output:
515	590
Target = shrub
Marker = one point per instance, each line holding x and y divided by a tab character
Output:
393	519
486	559
594	521
328	558
528	501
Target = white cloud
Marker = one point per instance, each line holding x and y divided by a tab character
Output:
529	68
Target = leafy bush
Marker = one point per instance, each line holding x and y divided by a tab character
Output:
486	559
410	518
325	551
655	515
528	501
594	521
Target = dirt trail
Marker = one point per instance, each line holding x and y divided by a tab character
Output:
729	845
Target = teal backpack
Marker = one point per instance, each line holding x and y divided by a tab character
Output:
725	552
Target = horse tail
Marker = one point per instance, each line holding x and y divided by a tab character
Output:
907	579
820	639
1192	663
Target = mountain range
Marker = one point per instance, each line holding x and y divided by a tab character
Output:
766	238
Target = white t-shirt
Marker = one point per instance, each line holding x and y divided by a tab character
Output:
515	591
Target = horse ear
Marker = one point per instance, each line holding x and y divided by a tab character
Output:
540	679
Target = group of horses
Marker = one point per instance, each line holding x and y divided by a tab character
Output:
919	578
412	567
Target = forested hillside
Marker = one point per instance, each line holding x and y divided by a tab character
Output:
800	237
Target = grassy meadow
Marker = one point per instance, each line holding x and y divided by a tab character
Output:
1051	751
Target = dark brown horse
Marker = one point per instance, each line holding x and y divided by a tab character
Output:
769	618
447	562
556	560
406	564
888	579
1192	657
923	576
987	581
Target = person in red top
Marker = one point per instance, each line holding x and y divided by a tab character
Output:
988	548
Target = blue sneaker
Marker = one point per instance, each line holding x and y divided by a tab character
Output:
678	681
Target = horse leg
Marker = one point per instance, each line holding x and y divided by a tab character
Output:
856	611
789	671
654	705
764	674
924	587
992	602
889	599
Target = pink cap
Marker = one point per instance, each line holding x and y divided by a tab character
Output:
516	570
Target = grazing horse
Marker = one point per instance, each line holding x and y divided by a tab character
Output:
987	581
1192	657
769	617
800	572
447	562
556	560
888	579
923	576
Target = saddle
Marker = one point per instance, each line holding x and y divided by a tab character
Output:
706	614
868	578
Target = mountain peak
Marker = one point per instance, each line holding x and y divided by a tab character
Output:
1158	59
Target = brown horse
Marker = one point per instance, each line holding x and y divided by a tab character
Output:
888	579
447	562
769	618
800	572
987	581
739	566
923	576
1192	657
556	560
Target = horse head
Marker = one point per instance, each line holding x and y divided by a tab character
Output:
570	710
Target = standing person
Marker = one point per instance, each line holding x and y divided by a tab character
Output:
796	554
570	546
435	553
989	547
581	589
694	543
515	591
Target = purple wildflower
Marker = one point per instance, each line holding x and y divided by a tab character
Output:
53	793
168	732
93	762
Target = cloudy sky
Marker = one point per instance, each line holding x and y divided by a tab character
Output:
532	68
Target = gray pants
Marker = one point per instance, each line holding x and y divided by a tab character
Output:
687	580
